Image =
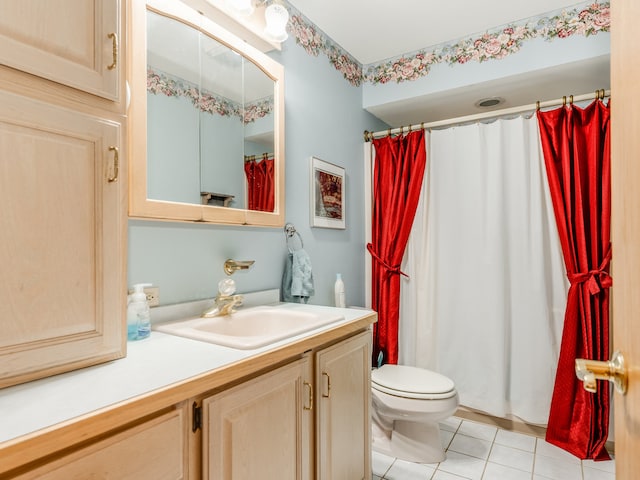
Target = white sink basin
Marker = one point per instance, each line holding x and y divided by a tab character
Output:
251	327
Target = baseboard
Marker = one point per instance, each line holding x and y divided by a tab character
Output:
512	424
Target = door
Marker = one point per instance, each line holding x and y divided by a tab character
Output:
625	212
260	428
153	450
62	283
73	42
343	422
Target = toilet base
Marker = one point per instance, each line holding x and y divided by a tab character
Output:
410	441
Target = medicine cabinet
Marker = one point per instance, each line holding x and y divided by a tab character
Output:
207	121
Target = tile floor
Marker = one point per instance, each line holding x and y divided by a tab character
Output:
477	451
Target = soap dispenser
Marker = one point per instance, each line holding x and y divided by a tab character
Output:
138	317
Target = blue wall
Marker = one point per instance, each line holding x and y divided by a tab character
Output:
324	118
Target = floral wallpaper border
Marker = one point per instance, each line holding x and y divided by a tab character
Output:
314	41
584	19
162	83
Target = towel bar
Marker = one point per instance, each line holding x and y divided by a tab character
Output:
289	232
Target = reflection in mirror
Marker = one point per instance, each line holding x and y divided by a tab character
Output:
210	122
221	127
173	77
258	138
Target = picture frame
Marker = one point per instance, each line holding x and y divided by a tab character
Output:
328	194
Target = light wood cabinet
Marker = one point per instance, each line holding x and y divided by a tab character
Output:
268	415
343	422
72	42
153	450
261	428
152	187
62	188
264	428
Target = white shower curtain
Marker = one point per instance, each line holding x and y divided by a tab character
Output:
485	298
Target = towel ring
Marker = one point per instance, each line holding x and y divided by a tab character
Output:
289	232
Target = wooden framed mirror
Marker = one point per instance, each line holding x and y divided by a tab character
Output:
206	121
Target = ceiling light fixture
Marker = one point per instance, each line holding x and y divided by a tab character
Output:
276	16
242	7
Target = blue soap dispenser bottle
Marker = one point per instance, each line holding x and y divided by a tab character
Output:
138	316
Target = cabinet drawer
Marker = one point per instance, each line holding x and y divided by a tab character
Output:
154	450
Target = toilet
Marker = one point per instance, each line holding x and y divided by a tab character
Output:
407	404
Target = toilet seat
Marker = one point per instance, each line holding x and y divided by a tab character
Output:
412	382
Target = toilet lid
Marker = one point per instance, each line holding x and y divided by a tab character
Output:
412	382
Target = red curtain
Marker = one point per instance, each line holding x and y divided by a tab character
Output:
576	147
260	184
397	179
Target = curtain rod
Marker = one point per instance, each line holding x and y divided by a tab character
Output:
601	94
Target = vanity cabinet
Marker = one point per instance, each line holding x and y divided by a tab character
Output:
343	422
264	428
265	414
153	450
261	428
62	187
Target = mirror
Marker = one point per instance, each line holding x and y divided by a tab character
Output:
206	122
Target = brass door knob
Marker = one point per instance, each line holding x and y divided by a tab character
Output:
613	370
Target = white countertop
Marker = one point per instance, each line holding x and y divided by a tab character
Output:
151	364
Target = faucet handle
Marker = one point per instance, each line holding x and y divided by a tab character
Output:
226	287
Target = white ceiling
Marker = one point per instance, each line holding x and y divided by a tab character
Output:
374	30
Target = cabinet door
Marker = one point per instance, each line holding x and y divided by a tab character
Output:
62	232
261	428
343	422
154	450
73	42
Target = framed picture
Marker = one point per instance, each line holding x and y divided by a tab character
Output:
327	194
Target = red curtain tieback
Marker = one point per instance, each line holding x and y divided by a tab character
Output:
391	270
596	279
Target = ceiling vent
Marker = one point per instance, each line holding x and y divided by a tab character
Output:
489	102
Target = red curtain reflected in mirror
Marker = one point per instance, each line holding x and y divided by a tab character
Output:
259	172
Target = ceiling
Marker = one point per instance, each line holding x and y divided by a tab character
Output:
375	30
